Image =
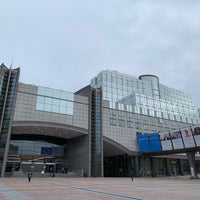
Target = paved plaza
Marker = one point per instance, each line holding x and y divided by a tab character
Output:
159	188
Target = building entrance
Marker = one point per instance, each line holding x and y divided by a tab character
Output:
120	166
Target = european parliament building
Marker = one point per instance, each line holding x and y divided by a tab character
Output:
92	131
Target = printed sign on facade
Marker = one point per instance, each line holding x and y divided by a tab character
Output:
187	137
165	141
196	133
176	139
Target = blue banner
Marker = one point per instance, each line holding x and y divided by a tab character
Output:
154	139
143	143
46	151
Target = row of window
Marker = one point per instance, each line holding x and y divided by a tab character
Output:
162	103
141	126
114	94
164	116
59	94
54	105
25	147
145	118
121	82
162	110
120	87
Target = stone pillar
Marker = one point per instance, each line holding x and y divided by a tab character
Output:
167	163
153	167
191	160
180	165
137	170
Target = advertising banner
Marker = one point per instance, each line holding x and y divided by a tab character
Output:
196	133
166	143
46	151
187	137
176	138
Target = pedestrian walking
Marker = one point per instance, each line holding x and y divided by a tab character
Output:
29	177
42	173
131	175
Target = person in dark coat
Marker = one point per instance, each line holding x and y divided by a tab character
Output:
131	175
29	177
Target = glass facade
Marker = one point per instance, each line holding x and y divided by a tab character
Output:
145	96
36	148
34	156
8	87
57	101
96	135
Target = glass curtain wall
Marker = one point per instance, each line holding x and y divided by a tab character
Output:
96	135
8	87
146	96
35	156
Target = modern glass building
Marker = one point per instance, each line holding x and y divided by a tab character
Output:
132	106
92	131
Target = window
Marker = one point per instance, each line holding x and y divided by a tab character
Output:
111	104
40	99
129	108
54	105
153	128
138	117
55	109
113	112
121	122
138	125
146	127
151	112
130	124
129	115
121	114
56	102
44	91
113	122
120	106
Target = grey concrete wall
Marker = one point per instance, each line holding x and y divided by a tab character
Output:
25	109
123	135
78	154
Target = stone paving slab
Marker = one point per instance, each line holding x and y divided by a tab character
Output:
159	188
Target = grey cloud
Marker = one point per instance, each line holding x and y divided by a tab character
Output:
69	42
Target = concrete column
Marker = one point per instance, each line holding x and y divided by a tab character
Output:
167	163
191	160
180	164
153	167
137	170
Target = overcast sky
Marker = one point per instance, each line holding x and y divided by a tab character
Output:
63	44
